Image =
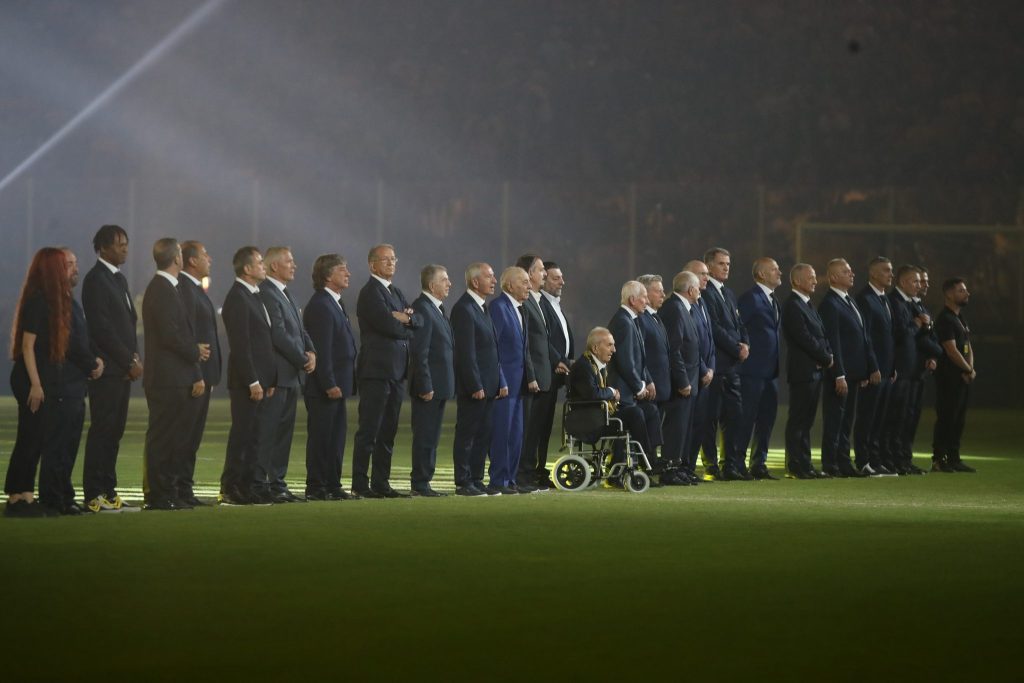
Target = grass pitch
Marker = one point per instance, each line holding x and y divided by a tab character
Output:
915	578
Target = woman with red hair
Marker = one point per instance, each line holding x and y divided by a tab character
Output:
52	361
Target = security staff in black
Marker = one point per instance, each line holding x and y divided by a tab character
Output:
953	377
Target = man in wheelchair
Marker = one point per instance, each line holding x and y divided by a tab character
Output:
594	413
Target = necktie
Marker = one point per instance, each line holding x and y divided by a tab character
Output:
522	322
440	307
885	305
849	302
123	281
775	305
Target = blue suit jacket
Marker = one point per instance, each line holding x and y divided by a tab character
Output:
906	359
758	316
513	350
476	350
383	340
627	370
432	361
662	361
726	326
331	333
708	358
684	339
847	338
878	320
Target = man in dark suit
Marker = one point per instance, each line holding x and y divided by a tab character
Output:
953	378
562	350
872	452
759	374
111	317
252	375
509	322
332	380
173	380
702	437
295	357
808	355
478	380
431	376
908	327
538	406
628	371
386	324
203	316
928	352
677	314
853	368
732	347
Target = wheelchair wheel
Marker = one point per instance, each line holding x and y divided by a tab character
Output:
636	481
571	473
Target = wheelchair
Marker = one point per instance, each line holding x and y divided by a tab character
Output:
590	434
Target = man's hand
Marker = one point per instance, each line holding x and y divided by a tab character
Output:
503	392
562	368
841	388
310	365
403	317
198	388
256	392
875	377
479	395
135	369
831	361
98	371
334	393
427	396
270	392
615	392
931	364
652	392
744	351
533	387
969	376
708	376
686	392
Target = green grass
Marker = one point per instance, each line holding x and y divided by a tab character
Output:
912	578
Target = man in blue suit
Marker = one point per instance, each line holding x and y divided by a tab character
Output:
386	325
513	353
295	357
809	354
628	371
872	452
759	374
478	380
431	376
854	367
332	380
702	435
732	347
663	363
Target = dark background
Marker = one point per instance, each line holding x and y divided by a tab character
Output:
614	137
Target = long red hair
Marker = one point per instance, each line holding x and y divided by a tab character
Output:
48	274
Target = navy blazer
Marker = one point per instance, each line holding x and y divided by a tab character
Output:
878	320
905	354
201	312
432	357
476	350
683	342
585	385
726	326
928	346
172	353
708	358
627	370
513	348
557	338
329	329
543	355
660	358
111	317
847	338
808	350
384	341
761	321
251	350
291	341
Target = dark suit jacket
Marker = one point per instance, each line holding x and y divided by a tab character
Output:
172	356
331	333
383	341
251	354
684	339
758	316
661	361
927	343
204	323
627	370
476	350
513	348
726	326
808	348
585	385
880	329
291	341
848	340
111	317
432	361
905	332
705	336
557	338
542	352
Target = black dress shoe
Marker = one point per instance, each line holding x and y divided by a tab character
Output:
427	493
834	472
507	490
193	501
317	495
290	497
342	494
799	474
731	474
940	465
819	475
959	466
389	493
492	490
161	505
24	509
526	488
763	473
468	490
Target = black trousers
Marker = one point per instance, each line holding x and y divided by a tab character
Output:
838	413
676	425
108	414
240	467
185	481
760	407
326	429
697	441
277	429
21	469
380	402
897	415
725	408
473	427
643	422
426	434
172	413
915	403
803	407
951	394
872	405
61	422
539	418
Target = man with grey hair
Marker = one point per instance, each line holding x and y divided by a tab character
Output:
872	453
431	376
386	325
702	435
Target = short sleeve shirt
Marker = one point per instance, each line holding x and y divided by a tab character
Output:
951	326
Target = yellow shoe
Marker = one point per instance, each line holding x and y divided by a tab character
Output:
101	504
